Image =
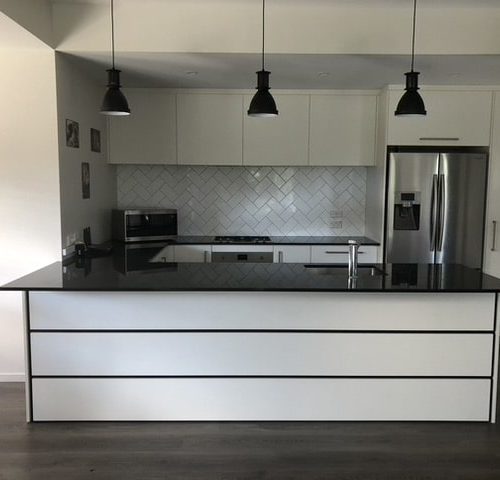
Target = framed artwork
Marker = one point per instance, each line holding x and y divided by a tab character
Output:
95	140
85	180
72	134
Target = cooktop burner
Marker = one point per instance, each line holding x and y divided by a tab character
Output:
242	239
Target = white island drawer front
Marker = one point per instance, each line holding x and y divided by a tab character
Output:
251	353
277	399
340	254
261	310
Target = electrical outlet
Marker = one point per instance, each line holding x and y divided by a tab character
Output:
337	224
336	214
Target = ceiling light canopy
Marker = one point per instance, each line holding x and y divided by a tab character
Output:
114	102
411	103
263	104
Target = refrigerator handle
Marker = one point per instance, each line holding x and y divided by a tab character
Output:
434	204
442	211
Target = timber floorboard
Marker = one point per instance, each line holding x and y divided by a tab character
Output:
242	450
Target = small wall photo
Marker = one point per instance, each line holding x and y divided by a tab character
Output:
85	180
95	140
72	134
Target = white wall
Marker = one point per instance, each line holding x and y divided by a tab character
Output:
79	99
29	186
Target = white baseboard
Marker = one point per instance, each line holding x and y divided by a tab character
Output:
12	377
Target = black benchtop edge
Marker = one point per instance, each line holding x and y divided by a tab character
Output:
258	290
276	240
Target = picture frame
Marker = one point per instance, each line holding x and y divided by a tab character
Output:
85	180
95	140
72	134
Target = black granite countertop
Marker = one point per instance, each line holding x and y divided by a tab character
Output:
116	273
283	240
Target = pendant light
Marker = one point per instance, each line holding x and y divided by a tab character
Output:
411	102
114	102
263	104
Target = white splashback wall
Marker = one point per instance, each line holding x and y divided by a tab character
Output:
251	200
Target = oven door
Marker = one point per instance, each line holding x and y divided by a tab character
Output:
242	257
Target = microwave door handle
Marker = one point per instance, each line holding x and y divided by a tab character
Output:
442	211
434	205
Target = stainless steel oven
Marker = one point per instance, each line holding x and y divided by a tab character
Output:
242	257
144	225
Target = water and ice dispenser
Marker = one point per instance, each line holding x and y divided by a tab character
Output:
407	211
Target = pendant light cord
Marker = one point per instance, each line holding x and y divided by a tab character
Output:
112	35
413	35
263	30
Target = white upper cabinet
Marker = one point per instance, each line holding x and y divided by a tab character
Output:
210	129
342	129
492	227
454	117
283	140
148	135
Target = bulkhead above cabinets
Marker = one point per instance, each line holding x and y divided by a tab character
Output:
327	128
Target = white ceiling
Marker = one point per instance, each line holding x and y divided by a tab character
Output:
290	71
451	3
15	37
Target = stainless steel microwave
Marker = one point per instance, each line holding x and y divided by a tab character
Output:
144	225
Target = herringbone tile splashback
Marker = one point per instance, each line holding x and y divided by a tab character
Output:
251	200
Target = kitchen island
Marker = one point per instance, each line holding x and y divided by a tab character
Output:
185	341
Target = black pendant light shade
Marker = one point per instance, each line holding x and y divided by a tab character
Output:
411	102
114	102
263	104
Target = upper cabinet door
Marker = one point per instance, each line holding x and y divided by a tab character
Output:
492	227
148	135
282	140
453	118
210	129
342	129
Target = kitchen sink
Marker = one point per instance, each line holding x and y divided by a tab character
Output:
363	270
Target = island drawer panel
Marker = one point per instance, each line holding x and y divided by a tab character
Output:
340	254
251	353
262	310
260	399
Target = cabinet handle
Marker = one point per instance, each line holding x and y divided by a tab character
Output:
205	256
280	257
443	139
341	253
494	241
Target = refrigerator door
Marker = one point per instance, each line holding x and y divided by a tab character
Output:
412	241
462	196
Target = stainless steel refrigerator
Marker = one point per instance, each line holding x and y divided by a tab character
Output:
435	206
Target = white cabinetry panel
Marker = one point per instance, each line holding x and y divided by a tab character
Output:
148	135
342	129
492	228
261	310
281	353
340	254
283	140
292	253
210	129
453	118
193	253
260	399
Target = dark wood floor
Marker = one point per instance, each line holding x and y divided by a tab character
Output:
242	451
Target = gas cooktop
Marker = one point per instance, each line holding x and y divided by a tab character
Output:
242	239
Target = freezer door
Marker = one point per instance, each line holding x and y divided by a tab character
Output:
409	173
462	192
